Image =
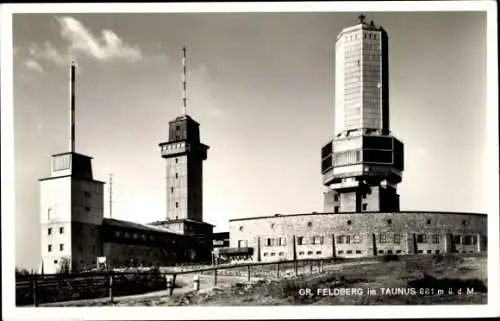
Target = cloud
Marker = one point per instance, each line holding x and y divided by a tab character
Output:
33	65
109	46
48	52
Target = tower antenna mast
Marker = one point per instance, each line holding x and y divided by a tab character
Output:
110	195
72	92
184	82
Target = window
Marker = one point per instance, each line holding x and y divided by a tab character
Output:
347	239
398	251
300	240
435	238
318	252
61	247
340	239
421	238
356	239
61	230
349	222
86	193
358	252
336	197
118	233
55	261
49	231
389	251
50	248
381	251
309	252
382	238
87	209
171	190
281	241
240	228
340	252
176	161
127	235
301	253
336	209
389	221
429	251
364	207
309	224
282	253
176	204
273	254
428	222
468	240
349	252
437	251
268	242
457	239
464	222
397	238
317	239
369	191
134	236
176	175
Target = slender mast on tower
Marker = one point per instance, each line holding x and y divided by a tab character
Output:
72	92
184	82
110	195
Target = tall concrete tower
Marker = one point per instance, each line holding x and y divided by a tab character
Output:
71	209
363	164
184	154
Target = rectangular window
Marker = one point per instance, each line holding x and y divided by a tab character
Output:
467	240
176	175
300	240
421	238
340	239
358	252
61	247
349	252
435	238
337	208
282	253
49	231
356	239
309	252
242	243
87	193
301	253
340	252
87	209
273	254
281	241
365	207
176	204
318	252
457	239
49	248
61	230
171	190
266	254
317	239
268	242
336	197
397	238
382	238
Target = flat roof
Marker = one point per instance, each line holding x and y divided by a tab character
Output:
330	213
133	225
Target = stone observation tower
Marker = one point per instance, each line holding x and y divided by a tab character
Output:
184	155
363	163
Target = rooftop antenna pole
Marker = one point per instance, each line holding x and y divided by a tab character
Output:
184	84
110	195
72	76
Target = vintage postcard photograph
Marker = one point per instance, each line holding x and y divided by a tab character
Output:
249	160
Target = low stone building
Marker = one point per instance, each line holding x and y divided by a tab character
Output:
326	235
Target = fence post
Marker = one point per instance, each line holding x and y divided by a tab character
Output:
278	270
215	277
296	268
35	289
111	288
249	273
172	284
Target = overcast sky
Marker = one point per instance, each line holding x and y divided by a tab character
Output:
262	88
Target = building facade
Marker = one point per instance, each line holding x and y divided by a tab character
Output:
361	167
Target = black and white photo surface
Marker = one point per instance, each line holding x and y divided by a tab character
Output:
340	157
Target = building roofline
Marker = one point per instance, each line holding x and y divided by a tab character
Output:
70	175
182	141
73	153
330	213
180	220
